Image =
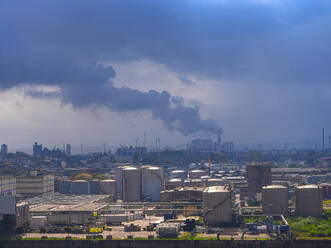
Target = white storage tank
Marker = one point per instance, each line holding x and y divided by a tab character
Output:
194	174
177	174
131	183
108	187
119	175
80	187
214	182
217	205
275	199
309	201
174	183
152	183
197	183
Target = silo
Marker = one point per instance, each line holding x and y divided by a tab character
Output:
309	201
275	199
214	182
119	174
65	187
80	187
152	183
217	205
197	183
94	187
131	183
174	183
177	174
108	187
197	173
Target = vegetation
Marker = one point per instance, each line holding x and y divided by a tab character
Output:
310	227
255	219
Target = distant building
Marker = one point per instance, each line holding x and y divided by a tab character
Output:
68	149
258	175
7	186
227	147
130	151
4	149
201	145
37	150
35	185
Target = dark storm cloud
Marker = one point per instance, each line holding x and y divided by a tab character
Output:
62	43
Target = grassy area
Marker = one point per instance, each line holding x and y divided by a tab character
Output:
255	219
310	227
327	202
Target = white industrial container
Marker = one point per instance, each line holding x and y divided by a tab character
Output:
152	183
217	205
309	201
108	187
131	179
214	182
275	199
174	183
197	183
38	222
177	174
194	174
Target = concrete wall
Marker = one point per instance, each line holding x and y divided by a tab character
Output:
165	244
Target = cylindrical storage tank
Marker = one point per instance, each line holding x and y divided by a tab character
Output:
197	183
217	205
214	182
187	183
119	174
309	201
94	187
152	183
65	187
80	187
275	199
108	187
194	174
173	183
131	183
177	174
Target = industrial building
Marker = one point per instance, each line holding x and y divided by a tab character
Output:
34	185
258	175
7	186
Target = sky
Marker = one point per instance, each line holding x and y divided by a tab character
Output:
95	71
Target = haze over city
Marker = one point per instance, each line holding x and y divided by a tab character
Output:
87	73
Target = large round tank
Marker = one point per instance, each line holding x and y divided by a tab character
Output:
65	187
108	187
131	183
174	183
94	187
275	199
197	183
309	201
80	187
214	182
152	183
177	174
119	175
217	205
187	183
197	173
